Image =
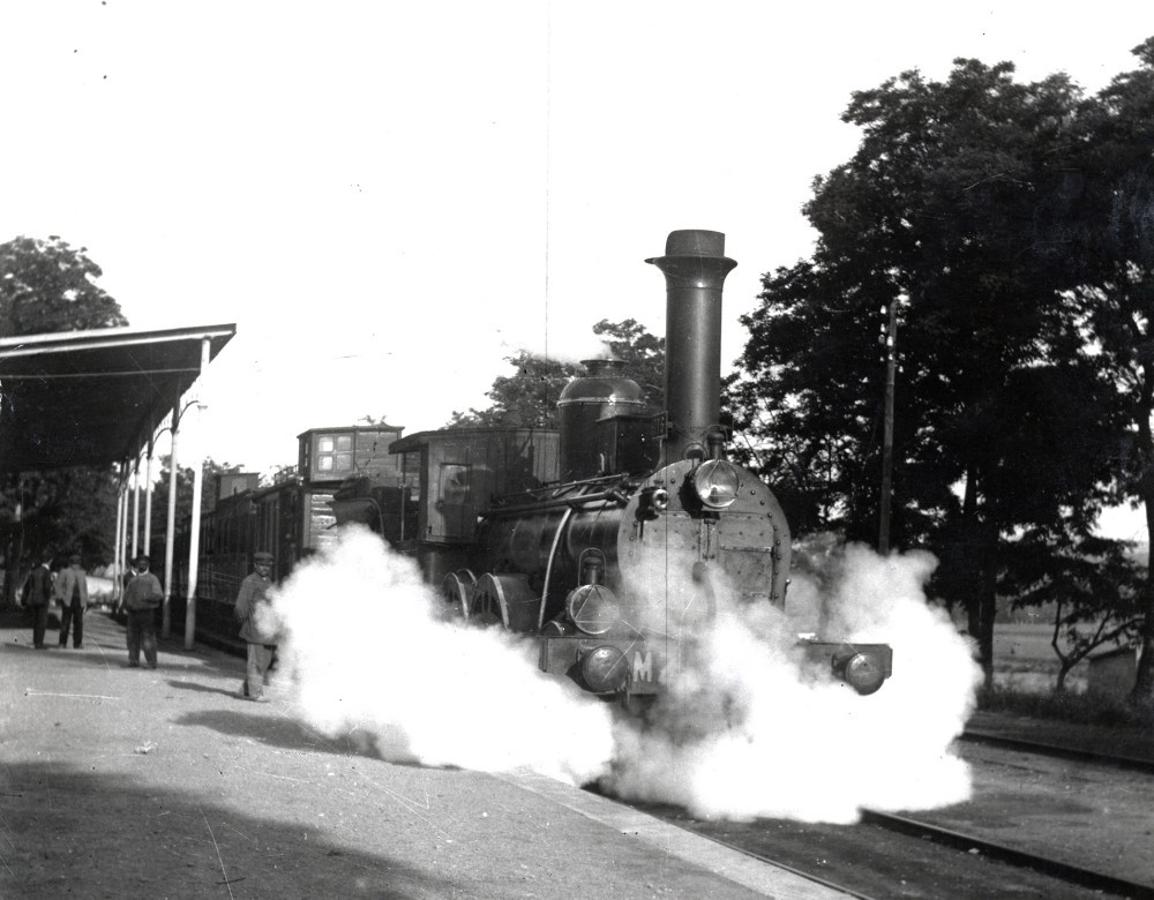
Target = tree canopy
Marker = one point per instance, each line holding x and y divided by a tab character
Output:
964	206
528	397
48	286
1115	293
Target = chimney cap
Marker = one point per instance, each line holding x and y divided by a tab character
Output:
695	242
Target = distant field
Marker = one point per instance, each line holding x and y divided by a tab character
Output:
1024	659
99	589
1023	643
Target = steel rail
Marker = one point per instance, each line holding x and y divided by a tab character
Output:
744	851
793	870
1133	763
1003	853
1044	866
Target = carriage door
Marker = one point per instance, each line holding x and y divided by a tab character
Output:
455	504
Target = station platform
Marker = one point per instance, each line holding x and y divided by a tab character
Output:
161	783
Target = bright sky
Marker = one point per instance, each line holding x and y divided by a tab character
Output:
387	198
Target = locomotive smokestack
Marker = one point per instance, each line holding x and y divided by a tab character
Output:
695	266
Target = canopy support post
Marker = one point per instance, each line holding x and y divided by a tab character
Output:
117	543
148	496
170	526
194	531
136	507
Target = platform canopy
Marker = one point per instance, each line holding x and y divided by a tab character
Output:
94	397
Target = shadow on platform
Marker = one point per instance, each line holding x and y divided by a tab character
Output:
66	833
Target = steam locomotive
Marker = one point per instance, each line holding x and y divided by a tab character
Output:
611	541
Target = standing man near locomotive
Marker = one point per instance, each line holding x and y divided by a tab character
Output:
142	598
257	627
37	597
72	594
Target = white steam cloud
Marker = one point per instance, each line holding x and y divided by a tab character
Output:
366	652
572	347
750	731
745	728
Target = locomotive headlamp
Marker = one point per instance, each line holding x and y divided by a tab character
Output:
593	608
864	672
604	669
716	483
652	502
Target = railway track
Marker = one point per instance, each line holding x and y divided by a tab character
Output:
1098	882
1060	751
902	856
871	867
834	885
888	856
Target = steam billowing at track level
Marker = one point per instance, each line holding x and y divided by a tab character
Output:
743	729
367	652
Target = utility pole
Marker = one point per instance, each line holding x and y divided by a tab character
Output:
890	342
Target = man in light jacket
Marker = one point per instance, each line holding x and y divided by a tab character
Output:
257	626
72	595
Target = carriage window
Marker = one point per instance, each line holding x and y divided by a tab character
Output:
454	484
335	454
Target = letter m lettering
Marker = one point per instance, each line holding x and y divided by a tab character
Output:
643	666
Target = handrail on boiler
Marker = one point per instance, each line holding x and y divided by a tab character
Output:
549	567
579	500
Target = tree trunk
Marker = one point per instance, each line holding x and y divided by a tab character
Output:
973	614
7	590
15	564
981	549
988	586
1143	693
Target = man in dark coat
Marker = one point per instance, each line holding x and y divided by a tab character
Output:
257	626
37	597
142	598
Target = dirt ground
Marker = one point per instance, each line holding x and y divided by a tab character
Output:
161	783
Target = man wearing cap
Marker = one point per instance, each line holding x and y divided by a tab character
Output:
37	596
257	626
72	595
142	598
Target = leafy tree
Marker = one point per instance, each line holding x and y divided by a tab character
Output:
47	286
184	478
1114	203
953	209
642	353
64	511
528	398
1093	584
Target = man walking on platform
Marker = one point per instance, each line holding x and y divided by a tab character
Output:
72	594
257	626
142	598
37	597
